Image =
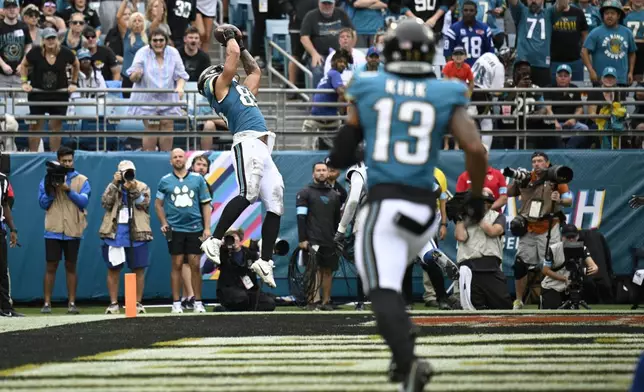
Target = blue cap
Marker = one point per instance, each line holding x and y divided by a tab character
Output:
83	54
564	67
459	49
609	71
373	51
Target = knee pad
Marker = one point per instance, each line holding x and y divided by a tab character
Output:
520	268
254	174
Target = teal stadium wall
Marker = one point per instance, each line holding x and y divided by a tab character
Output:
603	183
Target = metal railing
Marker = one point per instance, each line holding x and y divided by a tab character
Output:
108	118
274	72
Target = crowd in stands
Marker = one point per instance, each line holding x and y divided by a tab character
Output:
134	44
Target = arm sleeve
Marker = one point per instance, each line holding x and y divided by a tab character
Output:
160	190
43	198
590	43
500	220
336	79
489	41
517	13
632	46
451	41
81	199
351	206
137	63
204	192
302	208
503	185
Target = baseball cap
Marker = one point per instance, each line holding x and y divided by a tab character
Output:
123	165
459	49
327	1
540	154
373	51
569	230
83	54
609	71
48	33
10	3
564	67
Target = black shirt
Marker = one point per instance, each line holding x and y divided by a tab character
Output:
300	9
46	76
103	61
324	32
196	64
565	44
425	9
320	222
341	191
13	40
114	41
91	16
180	14
234	266
564	96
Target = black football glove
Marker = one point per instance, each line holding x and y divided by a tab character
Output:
340	240
228	35
474	208
636	202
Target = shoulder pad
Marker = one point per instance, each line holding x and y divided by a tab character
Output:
360	168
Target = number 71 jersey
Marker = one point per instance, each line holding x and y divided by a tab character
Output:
403	122
238	108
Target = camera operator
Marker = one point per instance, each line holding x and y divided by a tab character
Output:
540	197
557	274
479	256
125	231
237	288
318	216
64	195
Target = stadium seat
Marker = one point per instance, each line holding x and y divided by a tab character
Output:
240	12
278	29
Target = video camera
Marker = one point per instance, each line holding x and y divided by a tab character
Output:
56	174
574	255
558	174
456	207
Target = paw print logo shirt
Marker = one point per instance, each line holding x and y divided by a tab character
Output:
183	198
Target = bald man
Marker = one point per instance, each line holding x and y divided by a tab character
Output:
183	208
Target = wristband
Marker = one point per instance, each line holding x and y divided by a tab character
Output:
24	79
444	224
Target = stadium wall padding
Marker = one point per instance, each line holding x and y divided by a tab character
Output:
603	182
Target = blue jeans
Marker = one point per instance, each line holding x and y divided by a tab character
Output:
578	142
577	70
318	72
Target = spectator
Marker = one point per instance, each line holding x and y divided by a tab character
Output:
15	42
479	256
332	180
125	231
107	11
51	19
237	288
490	13
206	13
458	68
591	12
31	16
332	81
635	21
156	17
89	76
569	32
181	15
114	37
556	276
433	13
194	59
103	59
262	10
296	9
564	72
49	73
158	66
6	217
373	61
65	206
610	45
395	12
534	33
183	208
73	37
475	36
552	198
319	32
612	108
346	39
368	19
494	181
90	17
318	215
135	38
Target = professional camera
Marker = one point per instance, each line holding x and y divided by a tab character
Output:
128	175
519	174
55	173
281	247
455	207
574	254
558	174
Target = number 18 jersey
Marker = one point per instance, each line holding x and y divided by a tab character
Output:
403	121
238	108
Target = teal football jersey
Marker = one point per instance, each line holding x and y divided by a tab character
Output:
533	34
403	121
635	21
238	108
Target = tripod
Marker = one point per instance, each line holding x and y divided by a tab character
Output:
575	299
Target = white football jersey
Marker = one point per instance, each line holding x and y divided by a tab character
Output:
488	72
359	168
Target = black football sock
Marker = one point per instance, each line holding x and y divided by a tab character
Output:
270	231
232	211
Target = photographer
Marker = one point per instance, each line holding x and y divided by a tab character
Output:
540	197
556	282
125	231
318	216
479	256
237	288
64	195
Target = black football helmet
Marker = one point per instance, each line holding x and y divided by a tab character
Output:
409	48
209	73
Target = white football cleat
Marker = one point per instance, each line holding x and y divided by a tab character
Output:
176	309
264	269
210	248
199	308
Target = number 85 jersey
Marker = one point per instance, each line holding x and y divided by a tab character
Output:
238	108
403	121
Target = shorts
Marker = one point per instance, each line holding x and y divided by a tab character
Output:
532	247
54	250
327	258
297	49
185	243
135	258
207	8
53	110
154	110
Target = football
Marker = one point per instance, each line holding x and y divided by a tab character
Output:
219	33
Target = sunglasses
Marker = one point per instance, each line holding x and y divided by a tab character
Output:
50	5
77	22
90	37
32	14
158	40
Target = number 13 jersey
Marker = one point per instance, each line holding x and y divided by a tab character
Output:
238	108
403	121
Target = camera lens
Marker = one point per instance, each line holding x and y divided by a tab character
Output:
229	240
128	175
